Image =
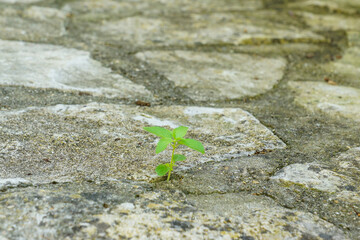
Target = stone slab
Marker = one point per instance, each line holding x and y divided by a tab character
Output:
313	176
107	210
93	8
215	76
354	38
49	66
348	67
197	29
330	22
348	163
342	6
32	24
337	101
107	140
266	223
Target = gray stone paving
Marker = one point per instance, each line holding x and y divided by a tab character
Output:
271	88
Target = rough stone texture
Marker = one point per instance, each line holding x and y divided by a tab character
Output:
348	67
32	24
49	66
59	211
169	220
330	22
94	8
214	76
343	6
108	140
335	100
125	209
313	176
67	164
216	28
348	163
334	183
354	38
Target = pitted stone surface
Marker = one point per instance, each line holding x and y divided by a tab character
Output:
50	66
108	140
32	24
312	176
67	165
215	76
57	211
334	100
216	28
108	210
157	220
348	163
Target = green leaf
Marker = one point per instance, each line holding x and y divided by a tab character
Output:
162	144
162	169
179	132
179	157
159	131
193	144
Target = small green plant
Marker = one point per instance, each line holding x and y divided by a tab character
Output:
173	138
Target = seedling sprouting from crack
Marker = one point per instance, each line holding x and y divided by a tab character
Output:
173	138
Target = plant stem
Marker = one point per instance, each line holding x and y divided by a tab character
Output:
172	161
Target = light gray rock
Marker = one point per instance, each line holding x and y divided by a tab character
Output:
215	28
55	211
32	24
108	140
13	182
312	176
50	66
85	210
334	100
163	220
216	76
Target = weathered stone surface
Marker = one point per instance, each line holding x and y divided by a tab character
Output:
233	175
20	1
84	210
216	28
32	24
344	6
313	176
13	182
348	67
349	163
60	211
216	76
354	38
49	66
165	221
108	140
330	22
92	9
334	100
